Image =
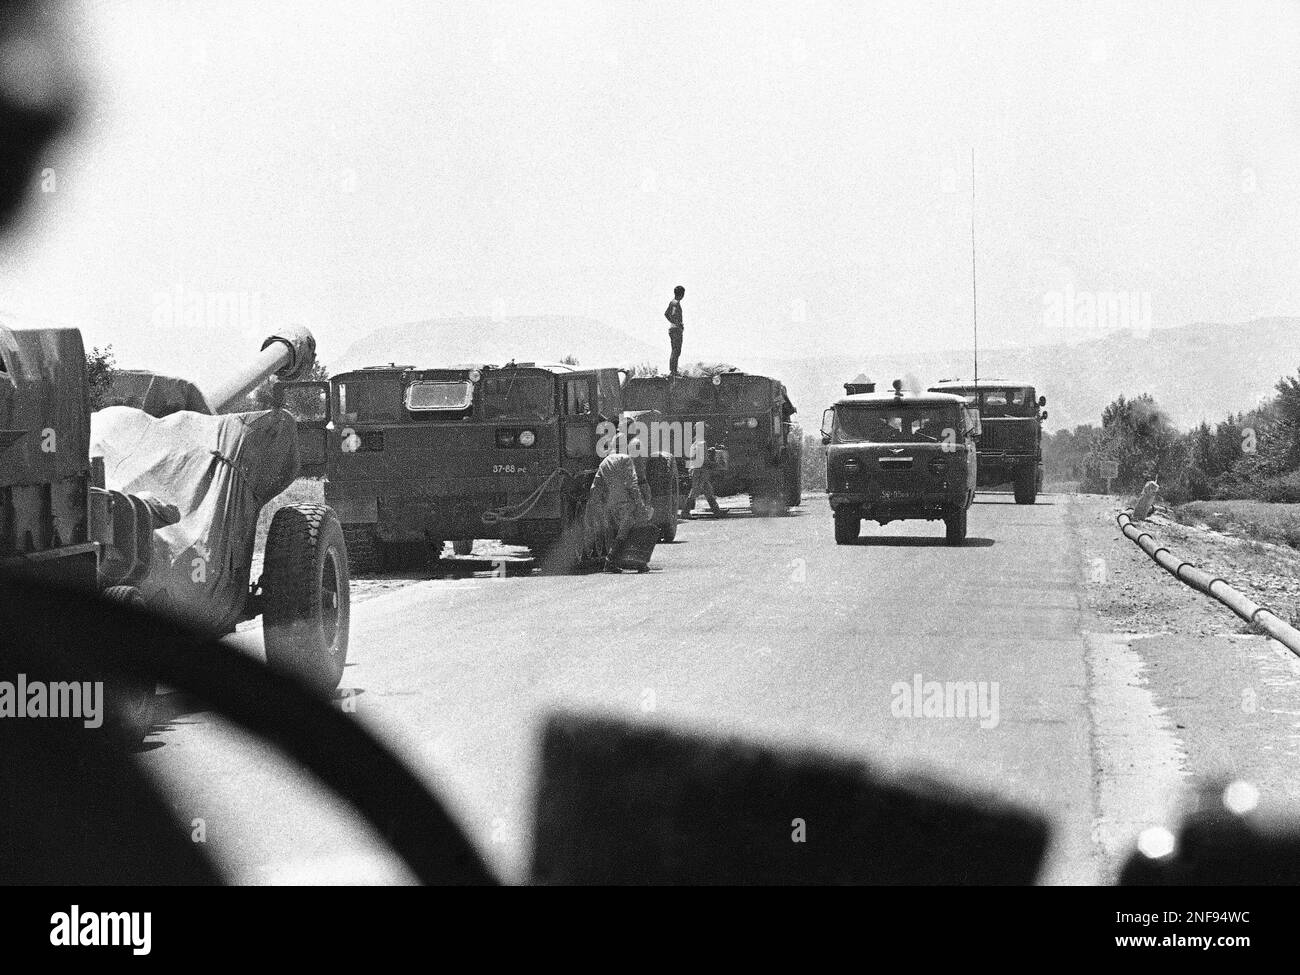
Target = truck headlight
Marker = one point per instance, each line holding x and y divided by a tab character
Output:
527	438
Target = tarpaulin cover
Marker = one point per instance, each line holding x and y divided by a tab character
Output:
219	471
156	395
44	414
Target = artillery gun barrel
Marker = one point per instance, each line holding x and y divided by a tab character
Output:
289	354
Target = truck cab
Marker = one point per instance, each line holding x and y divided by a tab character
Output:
414	457
898	455
747	418
1011	445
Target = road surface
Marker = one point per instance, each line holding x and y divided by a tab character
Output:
760	626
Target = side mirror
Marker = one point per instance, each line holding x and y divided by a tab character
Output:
977	427
1042	401
828	419
1043	415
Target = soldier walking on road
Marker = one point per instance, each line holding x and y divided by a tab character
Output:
675	328
702	483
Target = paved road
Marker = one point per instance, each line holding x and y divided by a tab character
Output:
746	624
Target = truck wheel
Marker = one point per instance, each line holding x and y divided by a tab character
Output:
363	550
847	526
669	532
955	526
129	701
1026	485
305	595
794	477
463	546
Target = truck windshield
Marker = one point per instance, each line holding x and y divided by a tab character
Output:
428	395
744	395
893	424
370	401
518	395
1013	401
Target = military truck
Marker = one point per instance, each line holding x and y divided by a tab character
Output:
1011	445
745	417
161	512
900	455
414	458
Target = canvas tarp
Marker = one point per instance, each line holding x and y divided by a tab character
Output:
219	472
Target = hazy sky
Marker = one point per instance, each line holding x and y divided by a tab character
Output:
802	168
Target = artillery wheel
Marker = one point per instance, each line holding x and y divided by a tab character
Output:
305	595
130	701
363	550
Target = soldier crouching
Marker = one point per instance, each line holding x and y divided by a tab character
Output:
621	487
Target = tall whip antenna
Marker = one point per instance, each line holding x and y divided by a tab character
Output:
974	313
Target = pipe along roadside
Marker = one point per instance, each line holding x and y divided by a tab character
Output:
1199	579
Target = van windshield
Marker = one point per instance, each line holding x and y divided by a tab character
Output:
894	424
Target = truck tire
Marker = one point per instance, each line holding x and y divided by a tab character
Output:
463	546
955	526
848	525
363	550
305	595
794	477
129	701
1026	485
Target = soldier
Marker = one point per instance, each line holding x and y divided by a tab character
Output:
675	328
621	486
702	482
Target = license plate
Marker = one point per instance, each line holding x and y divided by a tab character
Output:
898	495
509	469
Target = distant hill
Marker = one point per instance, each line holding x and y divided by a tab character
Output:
1194	372
540	338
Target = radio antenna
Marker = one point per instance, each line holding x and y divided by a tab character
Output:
974	312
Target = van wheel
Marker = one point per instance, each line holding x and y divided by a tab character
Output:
1026	485
847	526
955	526
305	595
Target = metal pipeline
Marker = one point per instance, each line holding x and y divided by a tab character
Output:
1213	586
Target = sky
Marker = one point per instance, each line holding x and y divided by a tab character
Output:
803	169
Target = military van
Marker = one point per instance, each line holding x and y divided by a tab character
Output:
1011	445
746	418
416	457
892	456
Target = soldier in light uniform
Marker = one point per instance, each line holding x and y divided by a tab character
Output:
621	486
702	481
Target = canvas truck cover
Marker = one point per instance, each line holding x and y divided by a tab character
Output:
156	395
44	413
219	472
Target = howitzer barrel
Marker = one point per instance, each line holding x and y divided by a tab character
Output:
288	354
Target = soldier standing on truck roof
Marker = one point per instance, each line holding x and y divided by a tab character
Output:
702	482
675	328
621	486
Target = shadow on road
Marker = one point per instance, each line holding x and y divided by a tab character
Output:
918	541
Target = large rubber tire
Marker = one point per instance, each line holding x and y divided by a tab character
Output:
305	595
130	701
463	546
794	477
1026	485
955	526
848	525
364	557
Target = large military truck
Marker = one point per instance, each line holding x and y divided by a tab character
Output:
745	417
414	458
161	511
1011	444
892	456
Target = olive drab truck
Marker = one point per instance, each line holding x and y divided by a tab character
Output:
1011	444
896	455
161	511
746	418
416	457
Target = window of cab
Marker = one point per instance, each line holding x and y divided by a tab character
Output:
439	396
370	401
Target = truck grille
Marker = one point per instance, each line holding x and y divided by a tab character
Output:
1008	436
